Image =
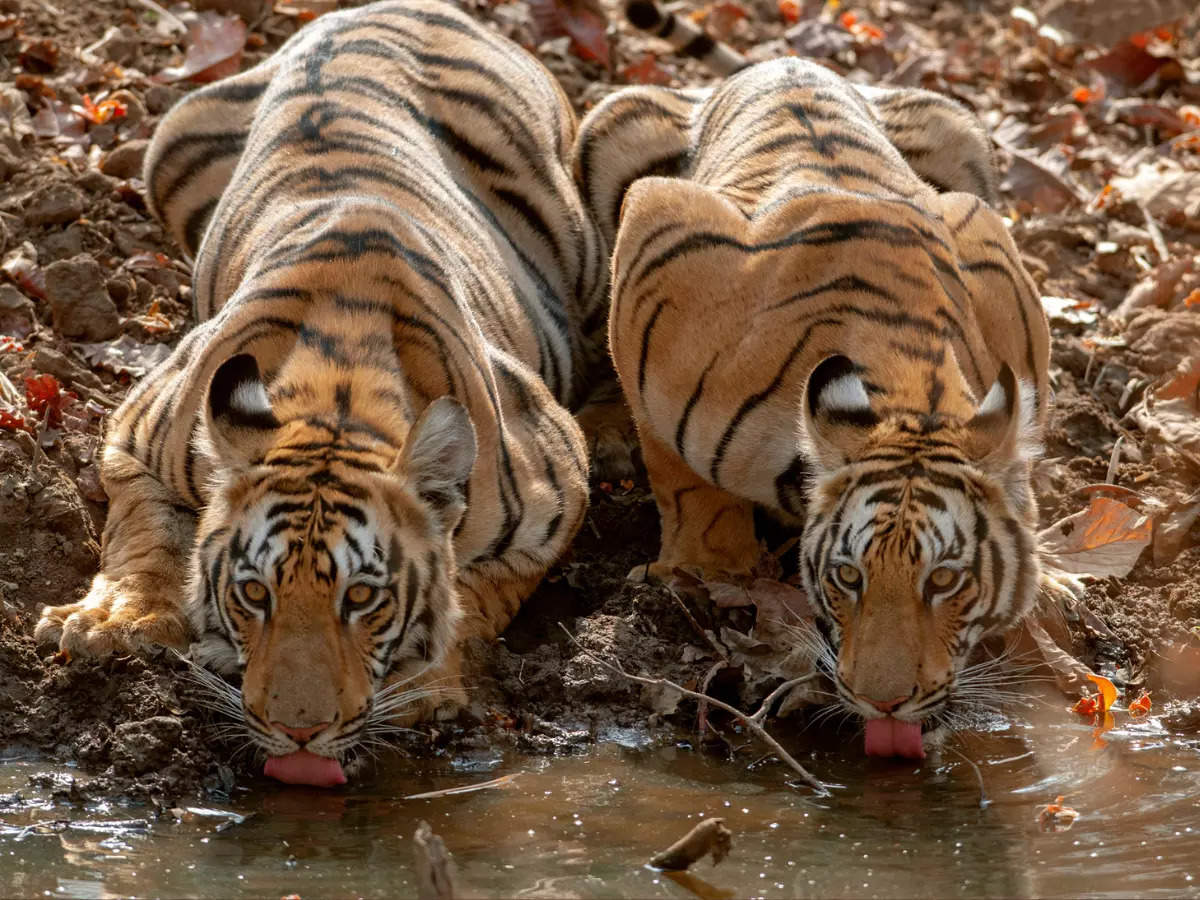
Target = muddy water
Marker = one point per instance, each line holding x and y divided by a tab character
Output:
585	825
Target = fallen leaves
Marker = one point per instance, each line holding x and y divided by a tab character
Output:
581	20
1105	539
214	49
1055	817
646	71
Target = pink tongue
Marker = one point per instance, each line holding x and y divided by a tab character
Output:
303	767
891	737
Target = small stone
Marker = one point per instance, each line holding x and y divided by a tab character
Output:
135	110
56	205
95	182
119	44
18	316
62	367
61	244
79	304
103	136
125	161
161	97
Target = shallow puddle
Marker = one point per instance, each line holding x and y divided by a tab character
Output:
585	825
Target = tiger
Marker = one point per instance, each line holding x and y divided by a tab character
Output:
363	455
818	314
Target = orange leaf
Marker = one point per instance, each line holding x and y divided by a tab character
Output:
1082	95
789	10
848	19
1056	817
1187	383
1140	706
646	71
1086	707
1104	539
1108	693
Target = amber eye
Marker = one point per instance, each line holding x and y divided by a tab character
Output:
359	596
255	593
943	577
849	576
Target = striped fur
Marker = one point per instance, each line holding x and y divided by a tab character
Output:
397	283
802	322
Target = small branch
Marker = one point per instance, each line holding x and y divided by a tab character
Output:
765	709
709	837
435	873
984	802
785	757
1160	245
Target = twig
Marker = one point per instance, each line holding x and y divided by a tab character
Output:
785	757
1114	460
702	707
984	802
434	867
173	21
1160	245
765	709
709	837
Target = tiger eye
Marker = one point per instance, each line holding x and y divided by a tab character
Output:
848	575
359	594
942	577
254	591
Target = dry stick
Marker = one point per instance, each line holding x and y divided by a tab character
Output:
808	778
984	802
1160	245
1114	460
765	709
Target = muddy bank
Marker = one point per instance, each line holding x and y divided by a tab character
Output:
1103	189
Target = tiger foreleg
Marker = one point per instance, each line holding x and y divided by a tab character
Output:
136	601
609	431
705	530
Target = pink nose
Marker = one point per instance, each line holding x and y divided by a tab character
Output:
300	735
886	706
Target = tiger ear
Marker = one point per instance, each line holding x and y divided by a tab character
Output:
438	458
1004	427
241	424
837	411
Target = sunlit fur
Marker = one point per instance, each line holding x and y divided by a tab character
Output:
399	292
815	311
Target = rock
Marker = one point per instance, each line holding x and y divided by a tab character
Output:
95	182
120	44
161	97
125	161
18	316
79	304
57	205
135	111
61	244
66	370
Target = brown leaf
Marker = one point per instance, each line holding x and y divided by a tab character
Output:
214	50
1105	539
1033	185
1170	413
646	71
1127	64
1160	287
1070	674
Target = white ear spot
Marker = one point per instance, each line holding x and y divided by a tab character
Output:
846	392
996	400
250	397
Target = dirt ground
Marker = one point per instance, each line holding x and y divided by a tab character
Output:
1098	133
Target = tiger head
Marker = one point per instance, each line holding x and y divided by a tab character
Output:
918	543
324	572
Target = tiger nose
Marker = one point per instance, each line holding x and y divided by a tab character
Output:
301	735
886	706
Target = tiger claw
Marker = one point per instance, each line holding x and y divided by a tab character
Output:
132	615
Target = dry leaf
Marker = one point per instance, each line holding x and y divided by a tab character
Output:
1105	539
214	50
1170	413
1161	287
1037	188
1056	817
1069	673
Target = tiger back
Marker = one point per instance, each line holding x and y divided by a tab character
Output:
363	454
816	314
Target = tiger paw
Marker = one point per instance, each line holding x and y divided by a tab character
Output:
134	614
611	439
664	573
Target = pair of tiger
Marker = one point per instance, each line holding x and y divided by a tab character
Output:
364	453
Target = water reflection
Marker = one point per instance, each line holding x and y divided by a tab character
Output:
584	826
